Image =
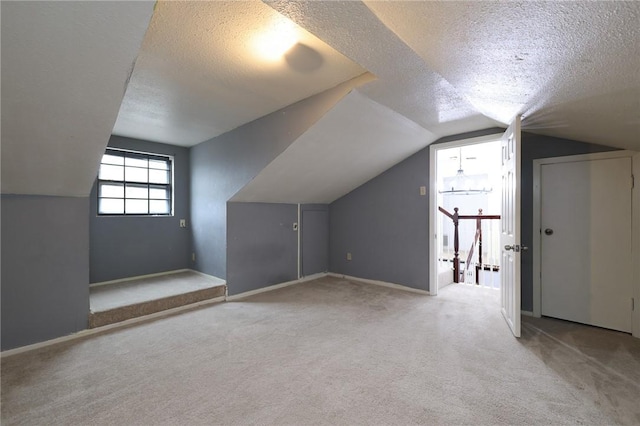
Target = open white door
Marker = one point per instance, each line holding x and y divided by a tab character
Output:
510	227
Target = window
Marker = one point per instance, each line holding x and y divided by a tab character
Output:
132	183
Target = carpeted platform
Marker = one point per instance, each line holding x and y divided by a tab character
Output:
332	351
116	302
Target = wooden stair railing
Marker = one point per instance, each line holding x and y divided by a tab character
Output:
456	217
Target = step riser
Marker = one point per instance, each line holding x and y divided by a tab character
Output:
111	316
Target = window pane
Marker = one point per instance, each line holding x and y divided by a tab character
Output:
123	186
159	192
110	206
160	206
137	191
158	176
136	162
159	164
109	172
112	190
113	159
134	174
137	207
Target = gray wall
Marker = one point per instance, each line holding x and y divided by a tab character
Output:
262	245
45	268
221	166
383	224
128	246
314	238
534	147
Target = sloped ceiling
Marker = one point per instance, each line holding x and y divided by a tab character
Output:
354	142
571	68
405	82
65	67
199	73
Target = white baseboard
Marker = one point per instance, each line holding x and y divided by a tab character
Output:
167	312
526	313
97	330
138	277
380	283
274	287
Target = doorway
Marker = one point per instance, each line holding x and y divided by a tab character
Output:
467	198
583	227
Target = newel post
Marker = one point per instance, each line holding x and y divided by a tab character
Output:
456	247
479	232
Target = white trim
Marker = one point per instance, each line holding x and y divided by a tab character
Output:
433	237
535	242
138	277
635	241
635	223
239	296
433	201
526	313
97	330
380	283
298	232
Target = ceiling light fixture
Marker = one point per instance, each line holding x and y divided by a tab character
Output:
463	185
273	43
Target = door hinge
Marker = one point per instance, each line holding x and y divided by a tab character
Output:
633	304
633	181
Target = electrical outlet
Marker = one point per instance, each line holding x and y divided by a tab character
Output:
183	223
423	190
348	256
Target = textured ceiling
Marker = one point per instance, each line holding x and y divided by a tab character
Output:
64	72
198	74
354	142
572	68
405	82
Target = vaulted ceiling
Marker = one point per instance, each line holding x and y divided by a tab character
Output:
65	67
572	69
200	71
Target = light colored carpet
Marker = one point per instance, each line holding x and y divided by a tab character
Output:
332	351
127	293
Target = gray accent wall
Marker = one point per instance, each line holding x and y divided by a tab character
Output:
262	245
45	268
314	239
384	225
220	167
535	147
128	246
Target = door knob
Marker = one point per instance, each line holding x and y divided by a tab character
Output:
548	231
507	247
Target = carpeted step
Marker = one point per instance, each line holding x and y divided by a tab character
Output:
122	313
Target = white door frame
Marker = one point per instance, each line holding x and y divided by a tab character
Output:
433	199
635	224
